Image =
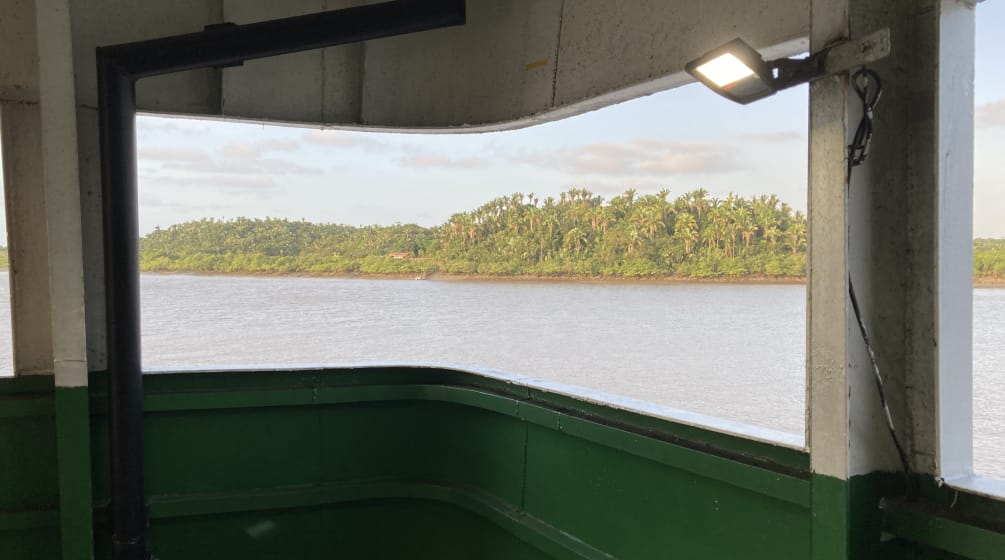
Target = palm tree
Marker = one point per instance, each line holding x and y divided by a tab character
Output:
771	234
697	202
633	236
533	216
575	238
630	195
748	229
651	219
686	231
796	234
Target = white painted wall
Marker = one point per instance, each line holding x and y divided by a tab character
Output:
513	60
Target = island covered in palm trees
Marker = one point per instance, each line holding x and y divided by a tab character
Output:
579	235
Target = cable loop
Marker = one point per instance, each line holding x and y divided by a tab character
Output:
869	88
860	81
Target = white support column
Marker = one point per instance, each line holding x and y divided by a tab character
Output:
880	231
955	239
884	236
23	185
828	422
62	191
66	279
88	156
27	238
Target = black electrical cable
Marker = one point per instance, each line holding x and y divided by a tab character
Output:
858	150
879	378
869	88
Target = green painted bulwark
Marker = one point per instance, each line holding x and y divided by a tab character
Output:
866	495
73	444
847	518
531	470
954	538
944	523
428	463
29	487
830	523
272	460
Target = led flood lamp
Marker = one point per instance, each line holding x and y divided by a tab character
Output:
739	73
735	71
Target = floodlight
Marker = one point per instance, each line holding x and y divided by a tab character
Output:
735	71
739	73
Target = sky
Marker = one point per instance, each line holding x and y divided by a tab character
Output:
989	122
361	178
682	139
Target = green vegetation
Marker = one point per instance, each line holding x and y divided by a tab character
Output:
694	236
4	259
578	235
989	258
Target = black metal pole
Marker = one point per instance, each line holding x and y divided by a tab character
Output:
118	69
233	44
117	106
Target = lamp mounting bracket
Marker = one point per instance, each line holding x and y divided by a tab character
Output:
832	59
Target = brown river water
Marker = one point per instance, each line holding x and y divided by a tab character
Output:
732	351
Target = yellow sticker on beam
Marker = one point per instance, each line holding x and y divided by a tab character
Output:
537	64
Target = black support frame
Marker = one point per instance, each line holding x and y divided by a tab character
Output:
119	67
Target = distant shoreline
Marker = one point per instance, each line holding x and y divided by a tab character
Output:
455	277
992	282
989	282
440	276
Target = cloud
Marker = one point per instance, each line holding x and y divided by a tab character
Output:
328	138
990	115
243	167
422	157
610	188
165	125
605	159
640	157
342	139
235	168
172	155
428	160
687	163
246	150
245	183
157	202
238	166
279	145
241	183
234	158
240	150
776	136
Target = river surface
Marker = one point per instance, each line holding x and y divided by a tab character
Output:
732	351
